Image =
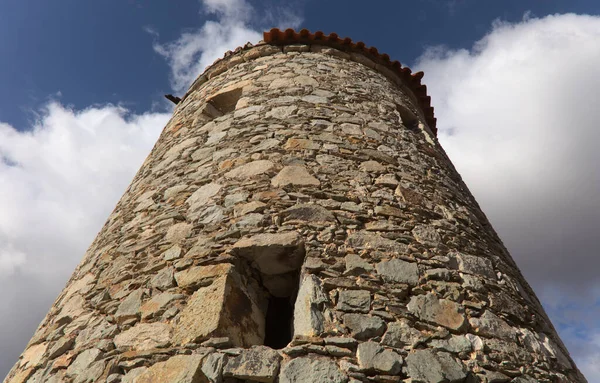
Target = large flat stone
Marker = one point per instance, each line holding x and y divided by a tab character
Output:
144	336
489	324
308	314
259	364
364	326
305	369
354	301
273	253
439	311
427	366
177	369
294	175
250	169
471	264
397	270
308	213
368	240
224	308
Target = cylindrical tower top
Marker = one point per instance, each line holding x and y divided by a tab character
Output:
297	221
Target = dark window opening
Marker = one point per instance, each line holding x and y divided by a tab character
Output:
409	119
279	322
225	102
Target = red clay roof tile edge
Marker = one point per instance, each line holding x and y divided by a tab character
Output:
412	80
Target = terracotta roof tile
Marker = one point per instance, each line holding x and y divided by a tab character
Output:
412	80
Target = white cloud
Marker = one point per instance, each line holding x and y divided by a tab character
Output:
237	23
518	116
59	181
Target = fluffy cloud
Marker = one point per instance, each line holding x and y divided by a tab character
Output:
518	116
59	182
237	23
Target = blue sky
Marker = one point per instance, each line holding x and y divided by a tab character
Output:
514	84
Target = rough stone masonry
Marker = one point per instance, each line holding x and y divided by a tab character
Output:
297	221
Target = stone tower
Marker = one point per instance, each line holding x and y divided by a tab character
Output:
298	221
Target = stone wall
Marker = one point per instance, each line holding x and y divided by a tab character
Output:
296	190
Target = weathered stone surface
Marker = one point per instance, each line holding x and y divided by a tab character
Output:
308	213
307	369
224	308
164	279
355	264
354	301
430	367
259	364
294	175
489	324
60	347
440	311
130	307
202	195
455	344
173	253
158	304
273	253
201	275
308	313
250	207
83	362
176	369
371	356
368	240
178	232
401	334
32	357
144	336
364	326
427	235
301	144
397	270
212	367
250	169
471	264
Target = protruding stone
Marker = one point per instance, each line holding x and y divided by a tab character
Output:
259	364
354	301
471	264
368	240
178	232
364	326
202	196
401	334
308	314
397	270
273	253
306	369
371	356
250	169
130	307
434	367
489	324
197	276
427	235
144	336
439	311
83	362
158	304
355	265
224	308
176	369
294	176
308	213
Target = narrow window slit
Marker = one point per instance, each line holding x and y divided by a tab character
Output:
279	322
